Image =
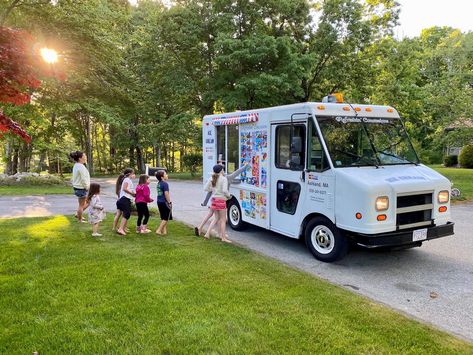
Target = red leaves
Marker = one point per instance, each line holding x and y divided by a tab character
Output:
8	125
18	67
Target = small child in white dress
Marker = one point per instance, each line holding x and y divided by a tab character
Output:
96	209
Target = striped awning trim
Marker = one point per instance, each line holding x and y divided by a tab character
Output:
235	119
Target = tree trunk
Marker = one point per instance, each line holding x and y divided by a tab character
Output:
181	160
8	157
15	161
23	158
97	148
139	160
59	166
88	144
173	158
165	160
42	158
50	163
131	154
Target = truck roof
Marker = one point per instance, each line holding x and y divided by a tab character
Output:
323	109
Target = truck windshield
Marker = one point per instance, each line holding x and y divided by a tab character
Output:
364	141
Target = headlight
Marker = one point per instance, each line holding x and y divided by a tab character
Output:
382	203
444	196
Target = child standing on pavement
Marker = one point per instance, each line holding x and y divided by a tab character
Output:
96	209
141	200
164	202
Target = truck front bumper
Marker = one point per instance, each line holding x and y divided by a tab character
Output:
400	238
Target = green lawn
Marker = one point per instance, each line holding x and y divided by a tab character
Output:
61	291
34	190
461	178
185	176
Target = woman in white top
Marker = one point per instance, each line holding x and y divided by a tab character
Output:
218	185
126	193
80	181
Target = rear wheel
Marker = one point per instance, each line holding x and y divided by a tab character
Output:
324	240
234	215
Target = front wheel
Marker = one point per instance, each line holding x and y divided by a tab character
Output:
234	215
325	241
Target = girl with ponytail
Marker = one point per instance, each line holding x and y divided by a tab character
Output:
218	185
124	189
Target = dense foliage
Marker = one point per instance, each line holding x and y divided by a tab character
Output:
450	160
139	78
466	157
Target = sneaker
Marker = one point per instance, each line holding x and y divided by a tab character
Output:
145	231
96	235
138	229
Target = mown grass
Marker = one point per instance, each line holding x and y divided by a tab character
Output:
461	178
22	190
186	176
61	291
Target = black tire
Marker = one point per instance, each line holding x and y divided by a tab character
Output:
234	215
325	241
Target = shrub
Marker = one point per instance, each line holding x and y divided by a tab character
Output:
466	157
450	160
31	179
192	162
429	156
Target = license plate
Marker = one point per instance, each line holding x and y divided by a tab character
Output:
419	234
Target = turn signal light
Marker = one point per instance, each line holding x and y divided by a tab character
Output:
321	107
381	217
442	209
390	110
357	109
368	109
358	215
346	108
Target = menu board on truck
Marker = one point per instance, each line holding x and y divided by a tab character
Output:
254	151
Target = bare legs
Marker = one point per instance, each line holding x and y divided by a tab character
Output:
162	229
118	214
205	220
213	222
222	223
122	229
95	230
80	209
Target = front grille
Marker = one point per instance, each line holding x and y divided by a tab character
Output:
414	210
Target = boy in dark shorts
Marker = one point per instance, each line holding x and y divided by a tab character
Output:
164	202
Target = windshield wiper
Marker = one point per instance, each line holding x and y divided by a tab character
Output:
358	158
398	157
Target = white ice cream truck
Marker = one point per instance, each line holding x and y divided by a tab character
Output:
331	173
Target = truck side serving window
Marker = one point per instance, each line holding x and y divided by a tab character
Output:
317	159
221	144
233	159
283	151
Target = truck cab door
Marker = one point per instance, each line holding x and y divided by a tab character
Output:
287	177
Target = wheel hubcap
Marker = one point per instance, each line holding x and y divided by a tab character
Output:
323	239
234	215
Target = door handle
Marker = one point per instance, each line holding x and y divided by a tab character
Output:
303	175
